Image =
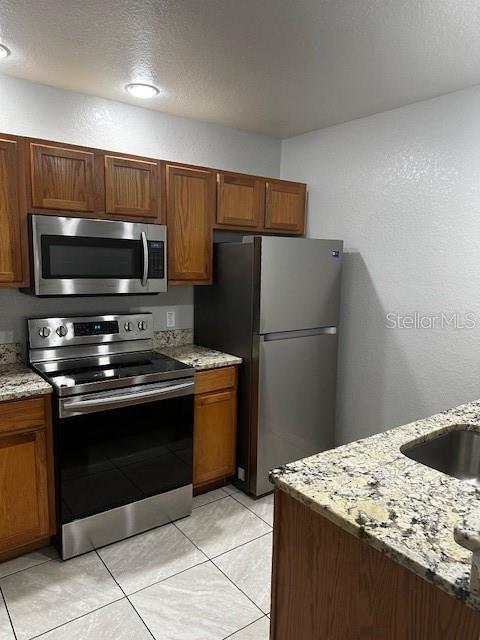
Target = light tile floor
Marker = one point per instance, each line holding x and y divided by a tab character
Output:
206	577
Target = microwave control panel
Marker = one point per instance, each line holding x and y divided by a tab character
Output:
156	259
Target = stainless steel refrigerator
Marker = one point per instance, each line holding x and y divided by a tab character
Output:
275	303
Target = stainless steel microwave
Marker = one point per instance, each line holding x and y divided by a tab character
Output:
79	256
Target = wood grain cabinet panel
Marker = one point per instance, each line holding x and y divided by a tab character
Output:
329	585
190	217
285	206
215	379
26	474
215	437
62	178
10	216
132	188
24	507
240	200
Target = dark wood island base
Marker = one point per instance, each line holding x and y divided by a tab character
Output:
329	585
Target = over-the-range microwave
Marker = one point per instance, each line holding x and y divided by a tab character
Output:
79	256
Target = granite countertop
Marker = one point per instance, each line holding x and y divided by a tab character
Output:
18	381
399	506
200	357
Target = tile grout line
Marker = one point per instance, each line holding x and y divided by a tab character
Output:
245	627
39	564
134	593
140	618
210	501
4	600
123	591
241	591
231	581
244	505
83	615
242	544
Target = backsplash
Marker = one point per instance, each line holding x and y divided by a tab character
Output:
172	338
9	353
12	352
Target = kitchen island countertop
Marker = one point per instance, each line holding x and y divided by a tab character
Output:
400	507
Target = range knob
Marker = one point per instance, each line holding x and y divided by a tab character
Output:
44	332
62	331
142	325
128	326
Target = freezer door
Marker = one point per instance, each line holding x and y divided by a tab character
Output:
296	401
299	283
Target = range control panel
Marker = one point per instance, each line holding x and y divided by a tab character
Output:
45	333
102	328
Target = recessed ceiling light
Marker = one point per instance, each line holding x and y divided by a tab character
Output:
4	52
140	90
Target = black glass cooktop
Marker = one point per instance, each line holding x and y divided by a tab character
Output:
146	365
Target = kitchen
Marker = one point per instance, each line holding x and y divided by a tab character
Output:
373	176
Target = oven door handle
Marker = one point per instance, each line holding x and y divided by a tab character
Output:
114	401
143	236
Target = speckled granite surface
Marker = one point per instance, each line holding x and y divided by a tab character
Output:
18	381
172	338
9	353
397	505
200	357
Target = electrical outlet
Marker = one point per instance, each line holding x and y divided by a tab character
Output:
171	322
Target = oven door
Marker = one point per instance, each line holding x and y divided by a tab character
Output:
78	256
124	463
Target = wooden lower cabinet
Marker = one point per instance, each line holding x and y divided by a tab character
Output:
215	430
26	474
329	585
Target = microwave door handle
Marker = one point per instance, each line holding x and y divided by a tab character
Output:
143	236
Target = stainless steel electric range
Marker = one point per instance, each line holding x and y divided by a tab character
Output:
123	427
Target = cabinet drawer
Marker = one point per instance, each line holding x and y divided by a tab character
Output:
215	379
22	414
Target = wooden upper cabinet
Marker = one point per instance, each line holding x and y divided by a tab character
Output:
10	215
62	178
190	217
132	188
240	200
285	206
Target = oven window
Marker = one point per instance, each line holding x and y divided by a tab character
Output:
112	458
83	257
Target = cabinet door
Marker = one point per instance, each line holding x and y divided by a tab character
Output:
190	217
285	206
24	506
215	437
10	234
132	188
62	178
240	200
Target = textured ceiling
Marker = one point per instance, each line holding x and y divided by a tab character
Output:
279	67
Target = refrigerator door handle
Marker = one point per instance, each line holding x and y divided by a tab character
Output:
287	335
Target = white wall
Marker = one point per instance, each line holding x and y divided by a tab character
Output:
402	188
39	111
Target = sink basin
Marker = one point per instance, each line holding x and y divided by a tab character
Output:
456	453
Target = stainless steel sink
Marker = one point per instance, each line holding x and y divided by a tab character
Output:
456	453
